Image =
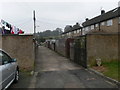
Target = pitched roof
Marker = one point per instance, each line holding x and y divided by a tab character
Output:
103	17
75	27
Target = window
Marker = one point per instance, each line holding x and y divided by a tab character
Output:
102	23
69	33
92	27
86	28
62	35
77	31
96	25
83	29
74	32
5	58
83	32
109	23
0	58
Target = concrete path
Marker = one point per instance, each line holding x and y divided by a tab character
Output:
55	71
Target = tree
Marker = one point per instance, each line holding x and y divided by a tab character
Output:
49	33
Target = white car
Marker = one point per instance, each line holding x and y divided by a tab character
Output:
9	70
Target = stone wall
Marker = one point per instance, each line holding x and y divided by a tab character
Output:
60	46
20	47
103	46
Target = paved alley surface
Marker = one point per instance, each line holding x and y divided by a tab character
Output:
55	71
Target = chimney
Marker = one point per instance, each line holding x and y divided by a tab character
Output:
102	12
77	23
86	19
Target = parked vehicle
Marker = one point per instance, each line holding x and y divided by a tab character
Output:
9	70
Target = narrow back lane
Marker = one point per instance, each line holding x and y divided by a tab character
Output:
48	60
55	71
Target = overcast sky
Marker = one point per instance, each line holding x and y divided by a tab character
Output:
52	14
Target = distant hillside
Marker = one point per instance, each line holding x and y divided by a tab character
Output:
49	33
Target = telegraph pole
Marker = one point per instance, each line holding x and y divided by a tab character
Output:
34	19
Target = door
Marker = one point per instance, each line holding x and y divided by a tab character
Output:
7	69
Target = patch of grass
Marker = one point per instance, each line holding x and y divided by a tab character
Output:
111	69
26	72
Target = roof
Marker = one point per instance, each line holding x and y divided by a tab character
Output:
75	27
103	17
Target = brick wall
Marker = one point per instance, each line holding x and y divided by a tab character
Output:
60	46
20	47
104	46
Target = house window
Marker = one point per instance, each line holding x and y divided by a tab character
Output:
74	32
96	25
67	34
92	27
102	23
77	31
109	23
83	32
62	35
86	28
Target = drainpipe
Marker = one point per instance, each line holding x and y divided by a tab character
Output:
99	26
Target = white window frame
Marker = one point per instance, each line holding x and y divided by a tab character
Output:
75	32
86	28
67	34
102	23
92	27
62	35
109	22
83	32
78	31
96	25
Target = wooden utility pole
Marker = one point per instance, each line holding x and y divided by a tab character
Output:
34	19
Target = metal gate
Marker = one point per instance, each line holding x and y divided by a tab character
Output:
80	56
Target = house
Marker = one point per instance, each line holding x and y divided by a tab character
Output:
72	31
108	22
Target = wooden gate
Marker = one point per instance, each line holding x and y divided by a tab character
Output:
80	56
67	46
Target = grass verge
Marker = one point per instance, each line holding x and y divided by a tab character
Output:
110	69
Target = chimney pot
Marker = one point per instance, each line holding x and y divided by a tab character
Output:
87	19
102	12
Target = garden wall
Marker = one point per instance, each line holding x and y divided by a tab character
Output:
20	47
103	46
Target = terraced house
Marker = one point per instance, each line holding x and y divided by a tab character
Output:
107	22
102	36
73	31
